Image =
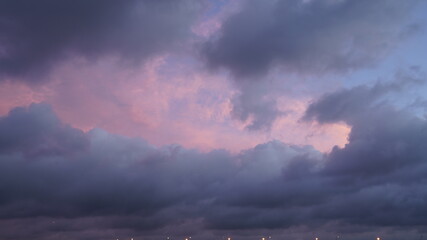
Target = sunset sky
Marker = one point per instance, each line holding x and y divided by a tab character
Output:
147	119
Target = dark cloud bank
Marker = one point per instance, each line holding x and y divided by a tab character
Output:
303	37
309	36
37	35
57	182
67	184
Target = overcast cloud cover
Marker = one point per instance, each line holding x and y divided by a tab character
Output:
115	115
297	35
376	180
309	37
38	34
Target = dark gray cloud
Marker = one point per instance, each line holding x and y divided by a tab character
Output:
380	131
36	35
102	183
354	105
308	36
347	105
382	168
302	37
37	131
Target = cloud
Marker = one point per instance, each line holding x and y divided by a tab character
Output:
35	36
254	107
37	131
353	105
50	171
383	139
303	38
347	104
307	36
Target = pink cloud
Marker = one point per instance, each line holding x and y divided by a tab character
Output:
165	102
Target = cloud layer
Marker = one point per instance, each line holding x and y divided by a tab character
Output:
87	88
311	38
35	36
304	37
376	180
308	36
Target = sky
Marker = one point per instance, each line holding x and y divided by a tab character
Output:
289	119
